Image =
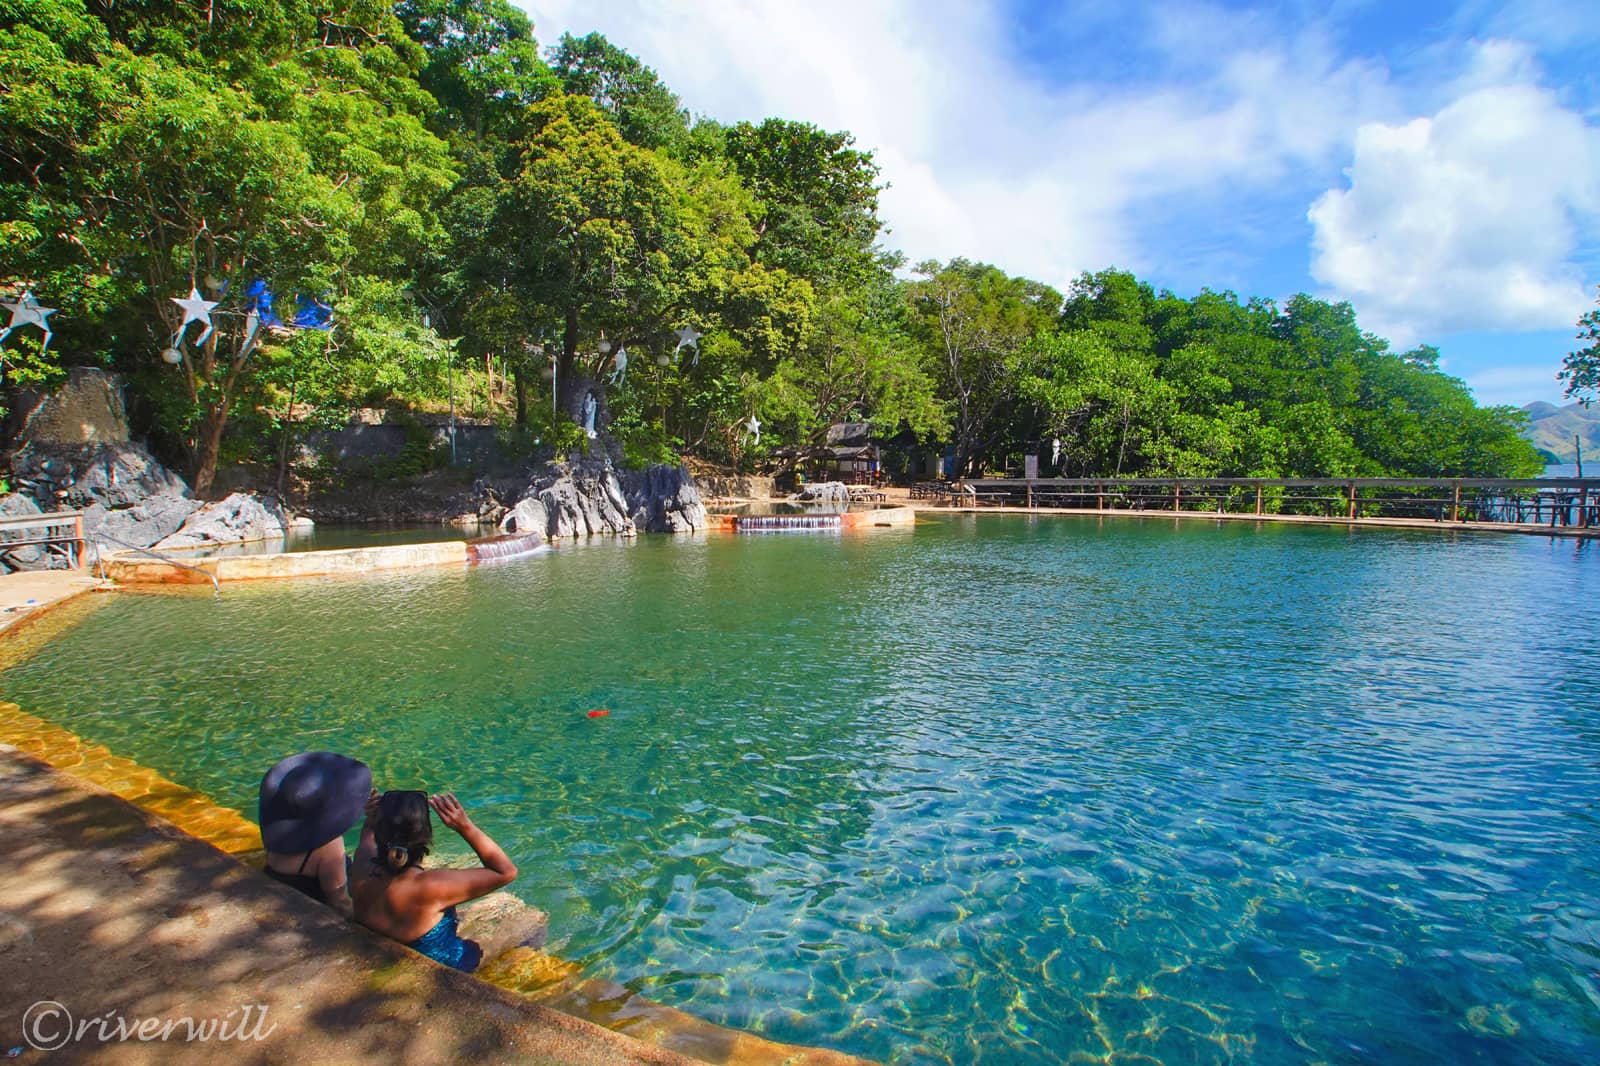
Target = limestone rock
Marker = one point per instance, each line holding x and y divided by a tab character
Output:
823	492
572	499
139	526
81	475
239	517
665	499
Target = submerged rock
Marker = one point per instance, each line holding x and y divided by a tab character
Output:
239	517
665	499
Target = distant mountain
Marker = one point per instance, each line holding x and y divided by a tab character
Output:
1551	429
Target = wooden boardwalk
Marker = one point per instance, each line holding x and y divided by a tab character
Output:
1562	505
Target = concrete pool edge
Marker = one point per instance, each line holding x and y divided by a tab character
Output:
536	981
133	569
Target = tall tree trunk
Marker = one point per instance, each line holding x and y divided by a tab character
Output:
208	448
569	360
288	424
519	377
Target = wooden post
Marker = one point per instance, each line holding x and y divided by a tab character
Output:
1455	504
1177	495
1099	495
78	539
1030	495
1258	498
1350	494
1583	507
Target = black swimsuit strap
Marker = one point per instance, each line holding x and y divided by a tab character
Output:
303	863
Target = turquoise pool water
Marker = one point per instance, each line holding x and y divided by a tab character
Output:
992	790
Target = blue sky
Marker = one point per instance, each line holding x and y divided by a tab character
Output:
1437	165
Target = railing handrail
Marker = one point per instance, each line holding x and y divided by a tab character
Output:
48	518
1592	483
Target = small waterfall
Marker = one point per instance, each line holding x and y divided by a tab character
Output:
788	523
506	546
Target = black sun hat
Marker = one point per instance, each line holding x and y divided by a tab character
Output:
311	798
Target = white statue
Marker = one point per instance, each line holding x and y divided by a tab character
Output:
753	428
619	366
588	414
1055	451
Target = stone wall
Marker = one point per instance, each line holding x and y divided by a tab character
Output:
730	487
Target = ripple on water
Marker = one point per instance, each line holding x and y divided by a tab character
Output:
997	791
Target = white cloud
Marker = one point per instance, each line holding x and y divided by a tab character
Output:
984	158
1467	219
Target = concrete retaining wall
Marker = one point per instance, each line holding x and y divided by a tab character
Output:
136	569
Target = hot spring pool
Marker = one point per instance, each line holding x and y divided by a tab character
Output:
992	790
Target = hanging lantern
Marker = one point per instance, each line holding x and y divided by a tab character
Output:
172	356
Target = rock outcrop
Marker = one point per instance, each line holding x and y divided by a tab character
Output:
33	557
139	526
571	500
127	497
664	499
113	475
588	497
239	517
823	492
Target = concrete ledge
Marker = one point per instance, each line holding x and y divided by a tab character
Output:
879	517
29	594
106	909
141	569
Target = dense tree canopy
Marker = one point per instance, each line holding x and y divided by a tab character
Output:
463	200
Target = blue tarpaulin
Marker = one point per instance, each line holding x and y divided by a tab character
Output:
309	313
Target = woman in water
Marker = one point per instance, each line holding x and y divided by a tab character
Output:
395	896
308	802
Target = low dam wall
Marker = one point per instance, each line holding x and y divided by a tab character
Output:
137	569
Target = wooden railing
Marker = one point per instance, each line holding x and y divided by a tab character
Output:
59	533
1537	501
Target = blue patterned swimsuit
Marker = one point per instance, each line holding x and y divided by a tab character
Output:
443	943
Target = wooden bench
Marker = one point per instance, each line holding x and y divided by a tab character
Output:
59	533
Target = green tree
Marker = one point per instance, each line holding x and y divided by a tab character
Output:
584	229
645	111
975	324
817	197
1580	370
149	173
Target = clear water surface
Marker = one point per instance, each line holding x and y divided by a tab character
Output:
992	790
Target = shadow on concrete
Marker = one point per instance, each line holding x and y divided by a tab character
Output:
118	916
